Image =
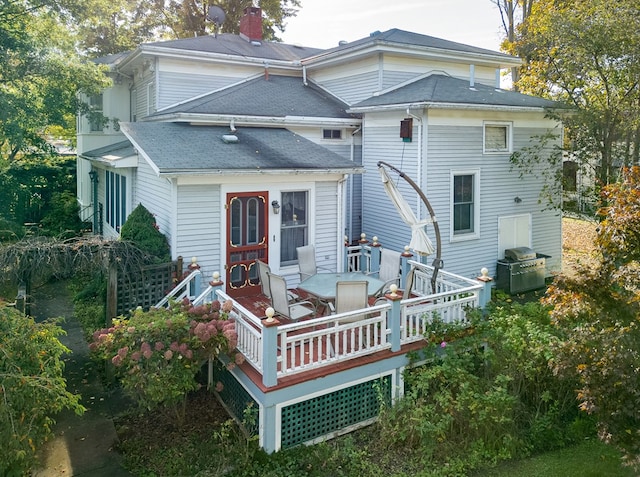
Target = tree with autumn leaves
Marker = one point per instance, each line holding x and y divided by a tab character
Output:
599	311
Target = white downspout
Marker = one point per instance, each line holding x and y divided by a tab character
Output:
419	168
342	206
350	202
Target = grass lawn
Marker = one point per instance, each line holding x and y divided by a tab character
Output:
590	459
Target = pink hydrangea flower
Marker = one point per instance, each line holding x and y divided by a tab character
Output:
443	344
168	354
116	360
159	345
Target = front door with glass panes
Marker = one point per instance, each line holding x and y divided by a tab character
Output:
247	232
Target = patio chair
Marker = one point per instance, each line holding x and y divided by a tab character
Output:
406	293
389	271
263	273
280	300
351	295
307	261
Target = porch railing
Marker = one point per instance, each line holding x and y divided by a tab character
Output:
276	350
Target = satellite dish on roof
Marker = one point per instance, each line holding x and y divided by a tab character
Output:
216	15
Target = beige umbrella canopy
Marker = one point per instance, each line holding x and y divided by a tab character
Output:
420	243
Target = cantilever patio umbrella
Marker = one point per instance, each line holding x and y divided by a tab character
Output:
420	243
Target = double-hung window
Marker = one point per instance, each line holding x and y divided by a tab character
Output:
497	137
116	199
465	207
294	226
95	119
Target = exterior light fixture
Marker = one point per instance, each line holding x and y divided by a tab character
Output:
276	207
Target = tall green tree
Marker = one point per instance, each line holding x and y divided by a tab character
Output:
587	54
40	75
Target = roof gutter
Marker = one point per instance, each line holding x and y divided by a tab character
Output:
347	53
254	121
195	54
436	105
258	172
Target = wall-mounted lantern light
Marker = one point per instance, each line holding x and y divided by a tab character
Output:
276	207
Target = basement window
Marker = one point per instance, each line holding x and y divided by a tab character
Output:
332	134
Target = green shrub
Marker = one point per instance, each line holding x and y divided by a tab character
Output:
63	220
157	354
141	229
32	388
485	394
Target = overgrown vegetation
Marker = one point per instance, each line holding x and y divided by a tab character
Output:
38	197
32	388
157	354
473	400
598	310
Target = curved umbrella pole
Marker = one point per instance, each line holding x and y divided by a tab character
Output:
437	263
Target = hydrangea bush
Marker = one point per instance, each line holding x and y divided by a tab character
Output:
157	354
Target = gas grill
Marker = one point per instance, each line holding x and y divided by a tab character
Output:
521	270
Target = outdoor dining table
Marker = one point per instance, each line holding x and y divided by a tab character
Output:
323	285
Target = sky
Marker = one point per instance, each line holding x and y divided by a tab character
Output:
323	23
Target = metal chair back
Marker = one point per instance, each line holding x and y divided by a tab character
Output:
307	261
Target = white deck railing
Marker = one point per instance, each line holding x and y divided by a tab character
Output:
278	350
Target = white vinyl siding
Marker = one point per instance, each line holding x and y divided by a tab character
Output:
381	142
451	148
155	194
174	89
200	219
325	232
354	88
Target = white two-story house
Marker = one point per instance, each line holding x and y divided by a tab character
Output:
244	148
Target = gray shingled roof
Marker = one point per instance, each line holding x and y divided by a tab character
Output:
402	37
113	152
439	88
182	148
279	96
229	44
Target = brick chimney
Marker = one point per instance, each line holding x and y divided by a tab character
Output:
251	24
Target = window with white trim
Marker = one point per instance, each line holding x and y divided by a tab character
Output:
465	207
116	199
334	134
294	227
95	119
497	138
